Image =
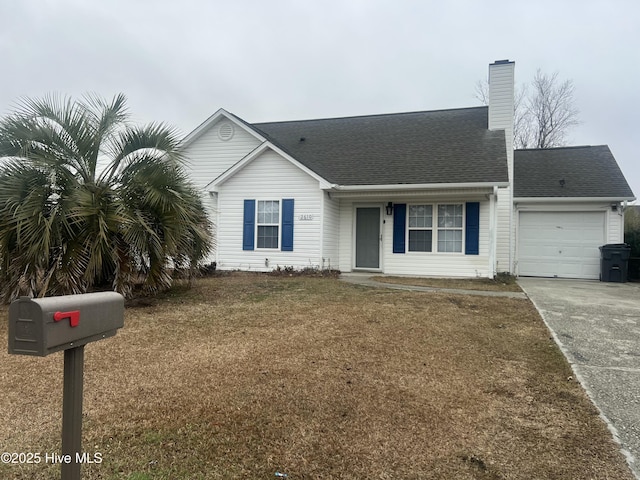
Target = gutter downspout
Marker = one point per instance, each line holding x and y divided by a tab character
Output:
323	199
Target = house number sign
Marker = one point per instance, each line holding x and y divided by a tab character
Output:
306	217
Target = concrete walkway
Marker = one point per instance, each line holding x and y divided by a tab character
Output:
366	279
597	326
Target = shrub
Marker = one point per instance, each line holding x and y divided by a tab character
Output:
632	229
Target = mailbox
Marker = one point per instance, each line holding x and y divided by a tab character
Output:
40	326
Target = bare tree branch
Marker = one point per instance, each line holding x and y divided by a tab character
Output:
543	115
521	121
482	92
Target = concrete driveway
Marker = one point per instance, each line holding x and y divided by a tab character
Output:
597	326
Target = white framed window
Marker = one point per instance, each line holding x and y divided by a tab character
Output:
450	228
420	228
435	228
268	223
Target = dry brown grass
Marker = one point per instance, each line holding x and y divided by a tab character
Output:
247	375
486	284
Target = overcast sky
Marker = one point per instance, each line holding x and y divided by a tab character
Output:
271	60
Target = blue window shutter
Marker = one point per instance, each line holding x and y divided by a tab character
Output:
399	227
248	231
472	226
287	225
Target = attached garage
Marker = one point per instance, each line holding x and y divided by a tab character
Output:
568	202
560	244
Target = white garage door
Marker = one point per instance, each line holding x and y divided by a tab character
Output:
560	244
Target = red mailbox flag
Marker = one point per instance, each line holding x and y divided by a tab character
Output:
74	317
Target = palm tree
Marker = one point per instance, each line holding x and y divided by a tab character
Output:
88	200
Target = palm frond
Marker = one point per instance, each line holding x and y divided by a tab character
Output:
154	142
62	230
107	119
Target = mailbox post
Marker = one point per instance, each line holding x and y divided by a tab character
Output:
45	325
72	390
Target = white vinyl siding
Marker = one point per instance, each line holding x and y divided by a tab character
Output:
500	117
210	203
269	177
209	155
501	105
416	263
504	208
330	232
615	226
347	235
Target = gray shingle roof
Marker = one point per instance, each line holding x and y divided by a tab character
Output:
443	146
589	171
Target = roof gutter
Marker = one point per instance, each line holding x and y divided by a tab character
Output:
414	186
571	199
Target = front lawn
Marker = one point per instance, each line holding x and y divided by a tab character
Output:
248	375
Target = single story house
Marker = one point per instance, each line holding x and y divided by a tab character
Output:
431	193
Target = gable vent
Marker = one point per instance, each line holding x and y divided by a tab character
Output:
225	131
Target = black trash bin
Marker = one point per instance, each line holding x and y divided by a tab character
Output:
614	262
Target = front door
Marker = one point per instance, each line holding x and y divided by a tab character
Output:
368	237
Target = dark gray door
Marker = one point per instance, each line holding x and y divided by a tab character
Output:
368	237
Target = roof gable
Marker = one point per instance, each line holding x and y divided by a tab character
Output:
574	172
433	147
215	118
256	154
